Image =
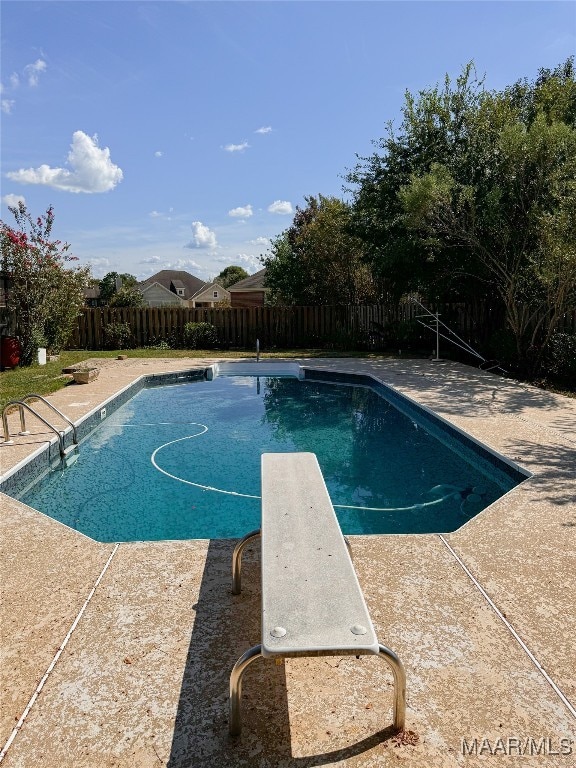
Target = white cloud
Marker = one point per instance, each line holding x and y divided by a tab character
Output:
161	214
264	129
32	71
99	266
13	200
203	236
280	206
92	170
158	153
236	147
250	262
242	212
184	264
260	241
144	274
151	260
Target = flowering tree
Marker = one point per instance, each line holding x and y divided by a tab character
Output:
43	294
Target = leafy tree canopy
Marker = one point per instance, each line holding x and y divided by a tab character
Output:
44	295
127	296
108	284
317	260
230	275
477	194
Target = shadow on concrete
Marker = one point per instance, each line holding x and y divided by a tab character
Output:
458	389
225	626
554	466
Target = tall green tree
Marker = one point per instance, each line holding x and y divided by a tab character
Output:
108	284
317	260
435	126
230	275
44	295
477	193
127	296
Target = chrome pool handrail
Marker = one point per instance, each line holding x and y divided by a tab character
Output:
21	405
56	410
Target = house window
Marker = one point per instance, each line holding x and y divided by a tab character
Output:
180	291
215	294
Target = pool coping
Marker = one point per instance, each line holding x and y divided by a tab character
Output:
516	581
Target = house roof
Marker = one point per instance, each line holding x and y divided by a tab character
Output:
254	282
170	295
207	287
167	277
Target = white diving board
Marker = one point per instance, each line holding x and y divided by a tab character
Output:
312	602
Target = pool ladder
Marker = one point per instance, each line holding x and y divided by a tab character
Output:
23	405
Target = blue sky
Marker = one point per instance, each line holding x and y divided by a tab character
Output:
182	135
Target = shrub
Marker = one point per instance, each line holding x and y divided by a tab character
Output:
127	296
161	343
561	355
502	347
200	336
117	335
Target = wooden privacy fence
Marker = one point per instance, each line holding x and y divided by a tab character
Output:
273	326
293	327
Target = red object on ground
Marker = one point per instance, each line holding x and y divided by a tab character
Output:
10	351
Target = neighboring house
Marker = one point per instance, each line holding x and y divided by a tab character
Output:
209	295
175	288
179	287
157	295
250	292
92	296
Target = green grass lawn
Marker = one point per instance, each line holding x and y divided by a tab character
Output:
45	379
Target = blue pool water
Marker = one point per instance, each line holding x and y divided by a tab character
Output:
183	462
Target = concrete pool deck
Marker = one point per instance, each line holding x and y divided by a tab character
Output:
130	646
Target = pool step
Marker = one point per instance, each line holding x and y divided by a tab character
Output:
253	368
70	455
65	459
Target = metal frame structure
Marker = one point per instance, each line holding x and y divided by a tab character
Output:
24	405
399	709
453	338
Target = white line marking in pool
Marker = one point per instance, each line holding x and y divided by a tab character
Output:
251	496
189	482
517	637
159	424
52	664
397	509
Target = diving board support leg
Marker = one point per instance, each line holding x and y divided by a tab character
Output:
237	561
235	724
399	685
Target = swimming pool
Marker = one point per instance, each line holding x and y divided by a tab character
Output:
183	461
